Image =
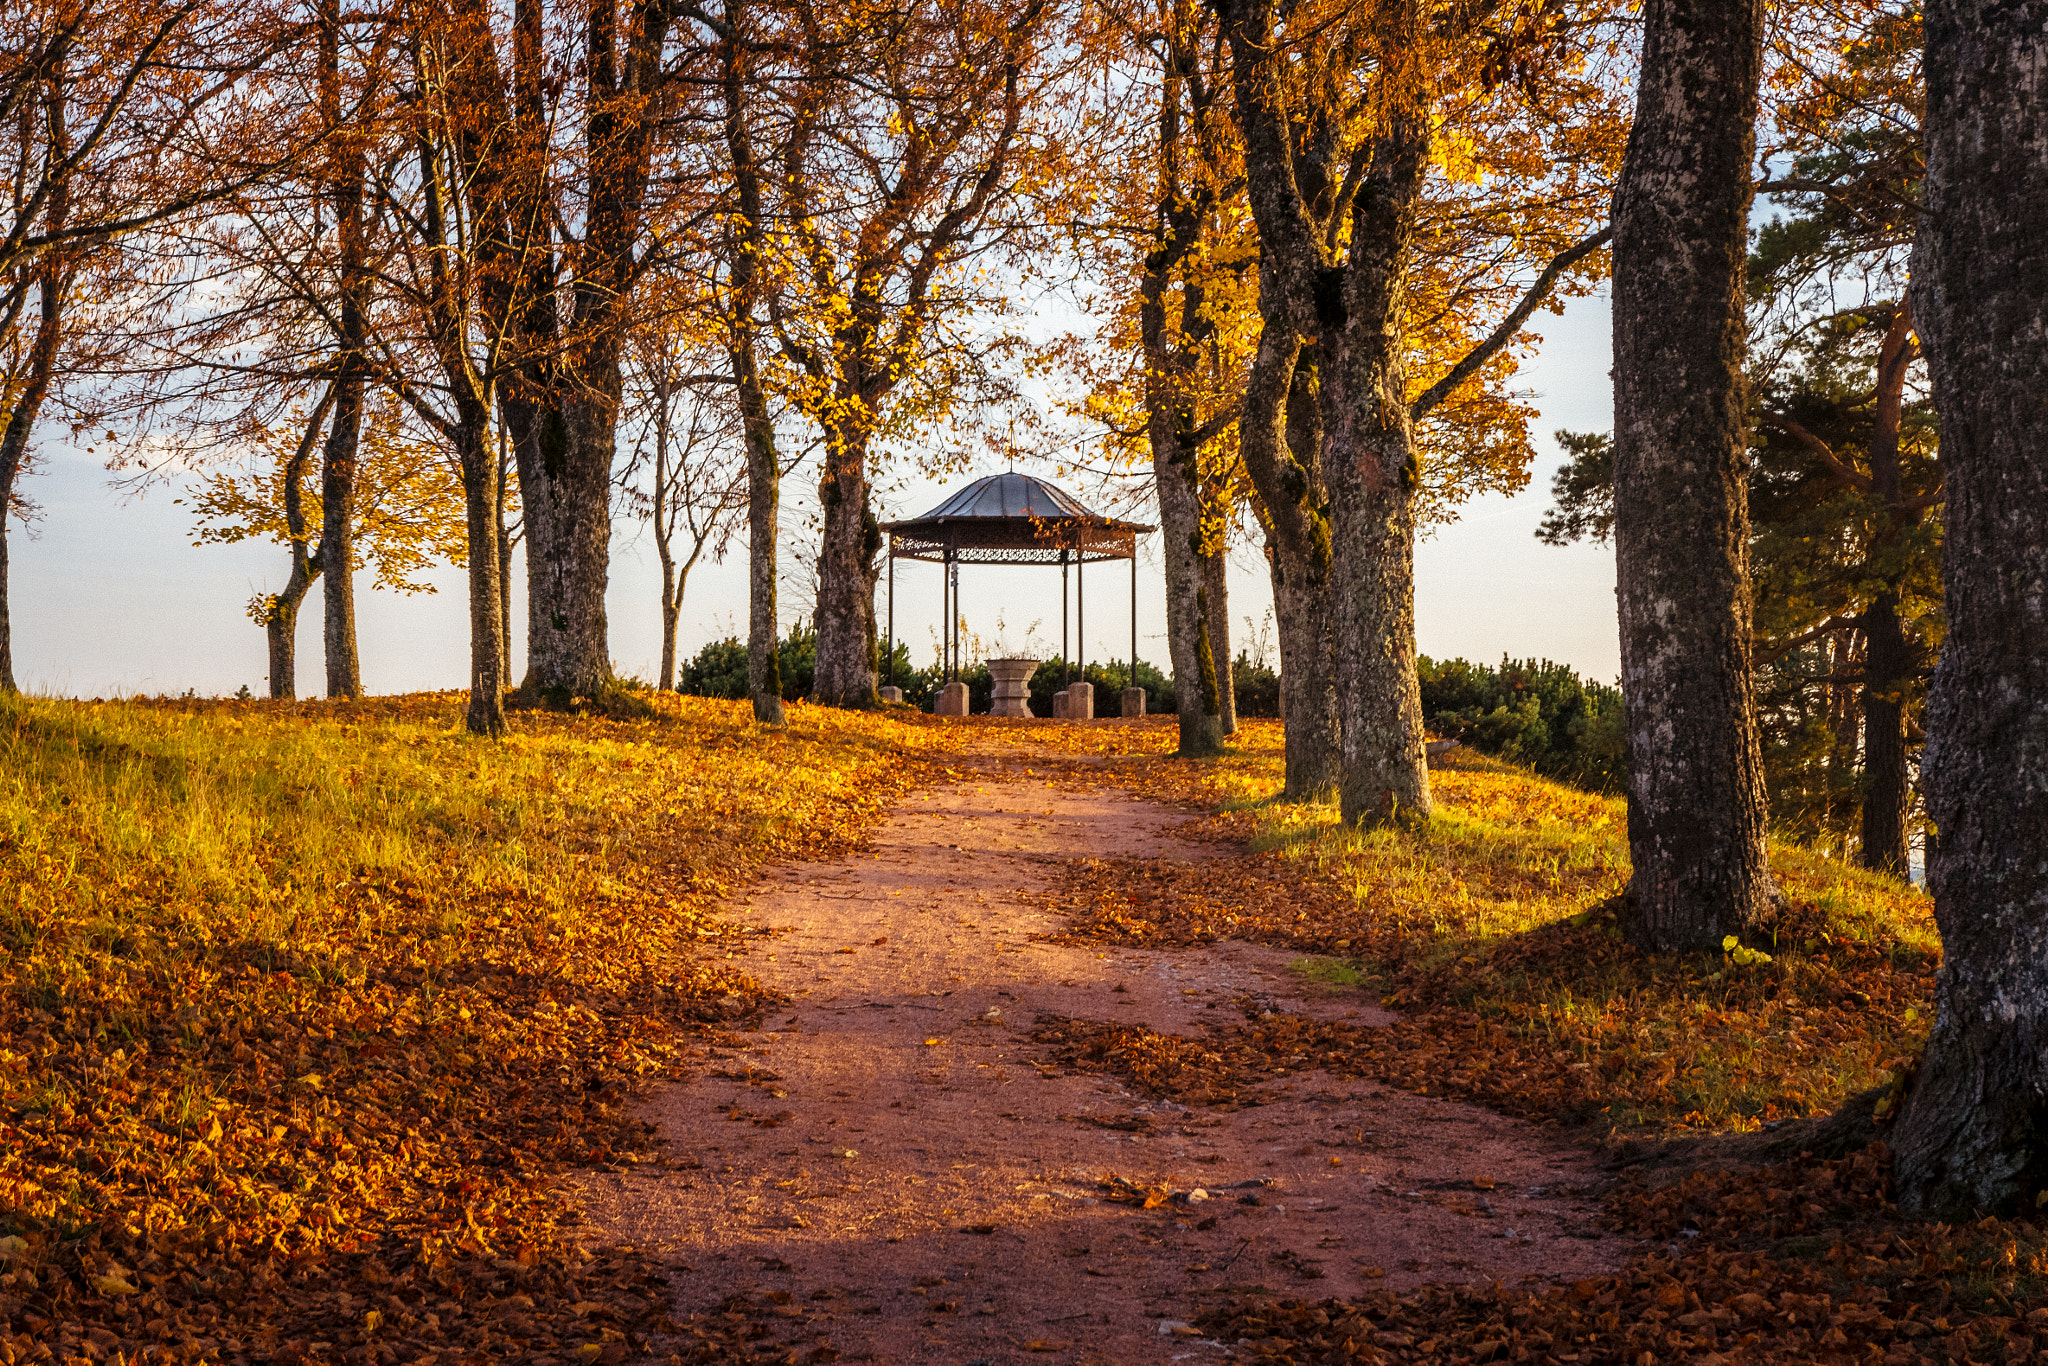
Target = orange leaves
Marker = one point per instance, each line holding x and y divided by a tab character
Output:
323	998
1871	1287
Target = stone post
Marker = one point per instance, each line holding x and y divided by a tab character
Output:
952	700
1013	686
892	694
1081	702
1134	701
1060	703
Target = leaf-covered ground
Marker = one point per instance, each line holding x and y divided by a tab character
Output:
1493	933
304	1008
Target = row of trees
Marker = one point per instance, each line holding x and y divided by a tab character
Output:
491	233
1317	231
427	257
1348	127
1971	1134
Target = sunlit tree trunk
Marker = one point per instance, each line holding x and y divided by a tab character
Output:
1196	686
485	714
1280	435
1370	463
281	613
1174	329
1696	808
21	421
1352	301
850	539
1974	1134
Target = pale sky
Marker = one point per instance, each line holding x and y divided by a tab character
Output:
110	597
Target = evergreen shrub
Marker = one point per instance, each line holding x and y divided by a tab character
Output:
1530	712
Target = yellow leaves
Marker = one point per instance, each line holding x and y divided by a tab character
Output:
1740	955
370	991
408	501
114	1282
1454	151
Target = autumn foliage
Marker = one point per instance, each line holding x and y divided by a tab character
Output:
305	1009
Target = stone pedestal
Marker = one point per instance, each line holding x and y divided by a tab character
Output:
951	701
1013	686
1081	702
1059	706
892	694
1134	701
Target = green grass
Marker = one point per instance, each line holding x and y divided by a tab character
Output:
1495	921
330	981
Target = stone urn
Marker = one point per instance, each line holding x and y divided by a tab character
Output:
1013	686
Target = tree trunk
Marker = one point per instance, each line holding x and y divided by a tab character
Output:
849	541
1356	314
1196	688
501	501
1843	656
1195	602
281	636
337	539
565	504
1372	471
1280	435
764	496
281	616
1974	1135
21	421
7	683
757	429
1887	662
485	714
1696	808
1216	592
346	169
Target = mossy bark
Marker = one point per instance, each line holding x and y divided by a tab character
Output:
1973	1136
1696	810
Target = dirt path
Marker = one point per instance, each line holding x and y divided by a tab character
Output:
895	1168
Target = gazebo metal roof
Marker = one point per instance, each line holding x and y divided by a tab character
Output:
1013	519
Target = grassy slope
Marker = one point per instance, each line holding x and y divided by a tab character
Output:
329	993
302	1008
1490	931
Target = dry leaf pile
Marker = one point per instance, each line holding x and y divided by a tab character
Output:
1800	1262
304	1008
1493	933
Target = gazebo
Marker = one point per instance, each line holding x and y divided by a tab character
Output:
1013	519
